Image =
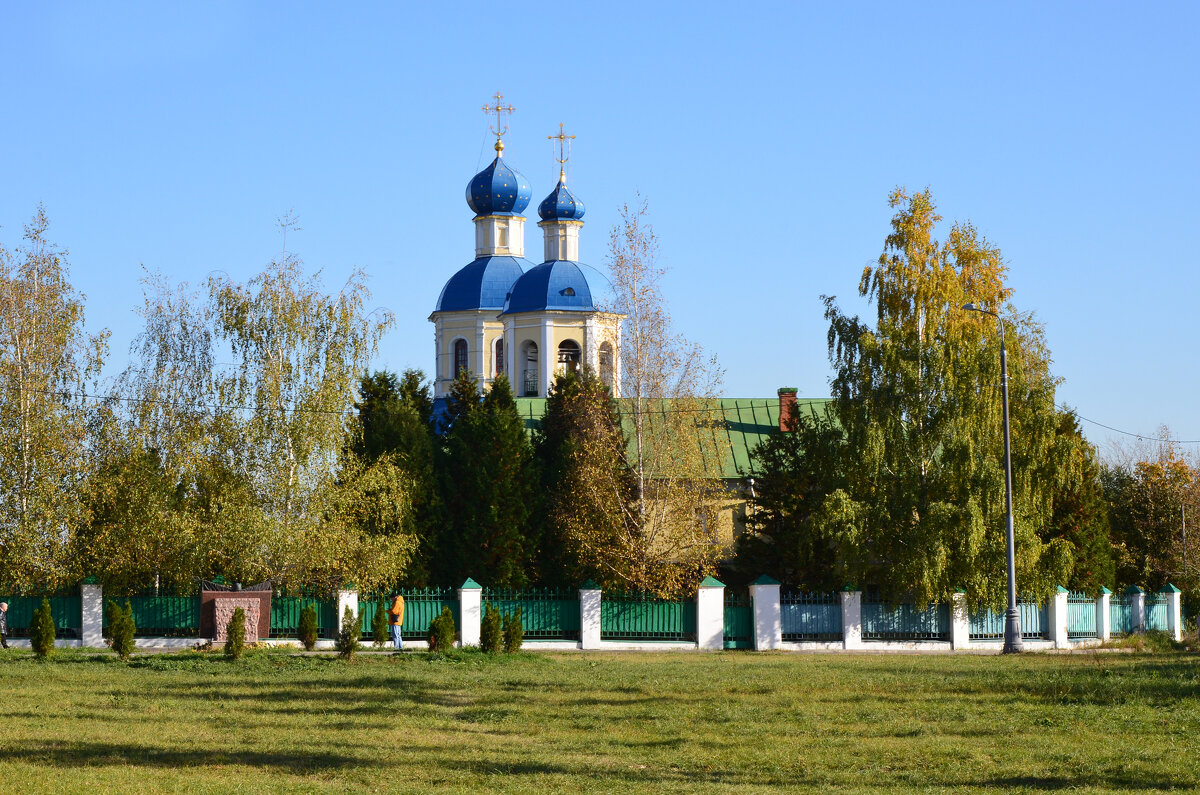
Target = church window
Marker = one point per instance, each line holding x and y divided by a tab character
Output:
499	368
606	364
502	236
460	356
568	291
529	375
569	356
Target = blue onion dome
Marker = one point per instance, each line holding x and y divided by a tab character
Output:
561	203
560	285
498	190
482	284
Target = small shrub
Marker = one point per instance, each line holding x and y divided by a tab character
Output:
490	637
307	631
112	617
235	635
379	625
41	630
441	631
514	633
123	629
347	639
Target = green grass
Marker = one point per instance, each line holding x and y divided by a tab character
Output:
733	722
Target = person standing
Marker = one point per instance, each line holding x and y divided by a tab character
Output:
4	624
396	620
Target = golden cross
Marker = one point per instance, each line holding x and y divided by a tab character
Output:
562	158
499	109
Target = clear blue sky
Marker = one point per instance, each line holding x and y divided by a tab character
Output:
766	137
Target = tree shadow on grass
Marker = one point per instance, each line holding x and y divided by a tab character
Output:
70	754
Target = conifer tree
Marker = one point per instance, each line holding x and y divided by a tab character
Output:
41	630
486	478
1080	515
123	631
235	634
379	625
306	631
347	639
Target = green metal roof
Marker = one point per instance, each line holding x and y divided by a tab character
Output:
747	422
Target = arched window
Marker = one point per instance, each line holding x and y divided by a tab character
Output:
569	356
460	357
499	368
529	370
606	364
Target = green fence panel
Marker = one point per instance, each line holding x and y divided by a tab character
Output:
645	618
1120	615
815	616
160	615
988	624
66	608
545	615
739	621
421	606
285	615
881	621
1081	616
1156	612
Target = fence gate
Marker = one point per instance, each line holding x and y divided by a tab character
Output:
739	621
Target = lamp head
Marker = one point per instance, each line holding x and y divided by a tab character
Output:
970	307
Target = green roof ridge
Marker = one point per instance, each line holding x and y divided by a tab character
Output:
1133	589
766	580
711	582
1062	589
470	585
1104	590
589	585
1169	588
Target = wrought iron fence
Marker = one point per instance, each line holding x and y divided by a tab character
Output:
285	615
1120	614
545	615
810	616
66	609
646	618
988	624
160	613
1156	612
1081	616
907	622
739	621
421	606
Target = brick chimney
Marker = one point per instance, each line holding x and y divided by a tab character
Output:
787	407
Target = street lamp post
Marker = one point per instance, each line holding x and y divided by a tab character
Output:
1012	618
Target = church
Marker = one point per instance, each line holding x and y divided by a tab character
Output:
502	314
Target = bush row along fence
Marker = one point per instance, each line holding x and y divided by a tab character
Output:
760	618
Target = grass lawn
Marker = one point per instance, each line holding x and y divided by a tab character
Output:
682	722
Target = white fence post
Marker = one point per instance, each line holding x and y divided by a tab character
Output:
1057	615
347	597
470	597
710	614
1104	615
91	602
851	619
1137	607
768	618
1174	611
960	621
589	615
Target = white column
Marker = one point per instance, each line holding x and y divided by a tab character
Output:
547	361
1103	615
710	614
481	373
91	630
591	348
852	619
1174	612
768	617
470	612
589	616
1057	616
1137	606
346	598
510	358
960	621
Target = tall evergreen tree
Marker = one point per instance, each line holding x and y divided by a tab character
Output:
1080	515
486	477
793	470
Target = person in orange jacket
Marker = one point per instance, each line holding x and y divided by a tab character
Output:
396	620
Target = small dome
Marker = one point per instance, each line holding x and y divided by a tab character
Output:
560	204
482	284
558	284
498	190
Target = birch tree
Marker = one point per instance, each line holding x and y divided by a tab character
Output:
47	360
668	386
